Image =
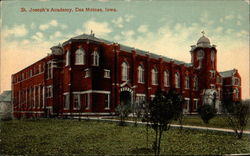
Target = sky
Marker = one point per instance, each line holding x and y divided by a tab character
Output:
164	27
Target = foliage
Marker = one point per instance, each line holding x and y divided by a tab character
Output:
164	108
71	137
145	118
206	112
123	112
138	112
237	117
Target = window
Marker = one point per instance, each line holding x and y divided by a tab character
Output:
166	78
34	104
154	76
140	74
177	80
195	104
80	57
49	92
212	73
87	101
187	82
186	105
125	71
66	101
195	83
152	97
67	58
236	92
95	56
76	101
140	99
106	73
218	79
236	81
107	101
50	70
87	73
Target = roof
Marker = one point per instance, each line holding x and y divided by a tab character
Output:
126	48
228	73
6	96
203	39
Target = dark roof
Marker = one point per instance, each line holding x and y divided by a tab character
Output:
228	73
126	48
5	96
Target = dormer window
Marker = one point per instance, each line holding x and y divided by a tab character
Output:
80	57
95	56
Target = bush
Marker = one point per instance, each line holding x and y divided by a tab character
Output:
123	111
206	112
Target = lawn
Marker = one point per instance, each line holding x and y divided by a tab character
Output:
68	137
195	120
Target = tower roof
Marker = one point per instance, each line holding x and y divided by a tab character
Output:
203	39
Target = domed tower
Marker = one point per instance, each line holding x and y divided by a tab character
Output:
204	60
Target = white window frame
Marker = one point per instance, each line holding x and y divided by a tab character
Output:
106	73
187	80
49	91
96	57
88	101
50	70
108	107
177	80
196	103
87	73
80	57
125	71
166	78
78	105
195	83
154	76
67	63
186	109
141	74
140	98
66	101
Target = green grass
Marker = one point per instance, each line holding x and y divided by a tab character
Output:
68	137
195	120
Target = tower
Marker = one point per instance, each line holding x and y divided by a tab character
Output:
204	59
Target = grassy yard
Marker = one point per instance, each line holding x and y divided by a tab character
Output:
68	137
195	120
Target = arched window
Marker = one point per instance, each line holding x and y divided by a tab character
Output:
125	71
187	82
195	83
166	78
95	56
177	80
140	74
79	57
67	59
154	76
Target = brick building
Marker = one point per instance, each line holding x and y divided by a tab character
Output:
87	75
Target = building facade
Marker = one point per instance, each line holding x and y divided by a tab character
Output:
87	75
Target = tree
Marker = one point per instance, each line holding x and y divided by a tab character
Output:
145	118
138	110
206	112
164	108
237	117
122	111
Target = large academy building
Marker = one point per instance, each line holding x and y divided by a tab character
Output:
87	75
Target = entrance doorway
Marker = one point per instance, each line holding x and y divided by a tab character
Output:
125	98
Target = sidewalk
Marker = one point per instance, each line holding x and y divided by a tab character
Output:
172	125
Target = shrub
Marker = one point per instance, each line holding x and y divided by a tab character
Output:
206	112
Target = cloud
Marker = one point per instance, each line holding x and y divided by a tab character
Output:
142	28
52	23
118	22
16	31
56	35
229	17
99	28
247	1
38	36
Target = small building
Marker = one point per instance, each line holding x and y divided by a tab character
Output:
5	105
87	75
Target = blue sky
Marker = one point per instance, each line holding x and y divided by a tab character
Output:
164	27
